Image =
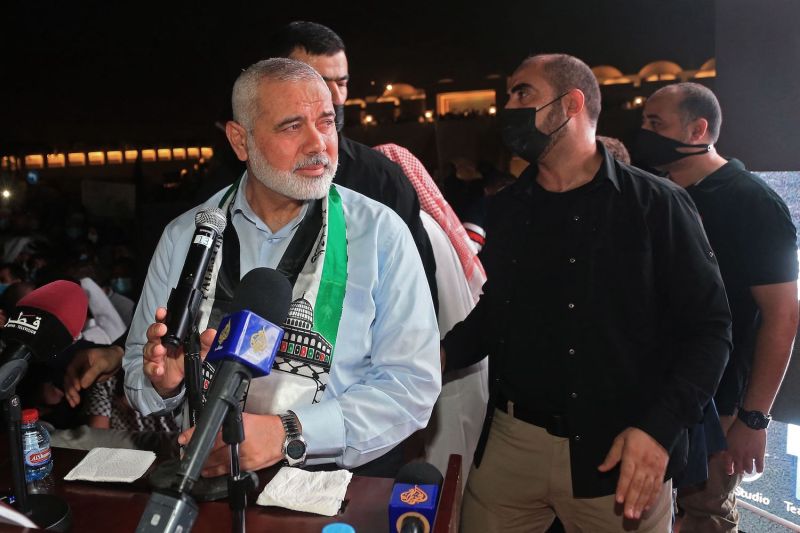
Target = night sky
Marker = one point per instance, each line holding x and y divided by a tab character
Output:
92	73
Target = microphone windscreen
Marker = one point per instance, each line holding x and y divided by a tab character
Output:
213	218
266	292
419	473
63	299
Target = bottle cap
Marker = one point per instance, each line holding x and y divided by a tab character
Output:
30	415
338	527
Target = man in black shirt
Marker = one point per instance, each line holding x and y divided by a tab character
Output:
752	234
361	168
604	318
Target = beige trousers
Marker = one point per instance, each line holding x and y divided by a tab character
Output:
524	482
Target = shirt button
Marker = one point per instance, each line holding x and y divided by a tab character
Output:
573	395
508	302
577	438
571	305
514	261
572	260
571	351
576	218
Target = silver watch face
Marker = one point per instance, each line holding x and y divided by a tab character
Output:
296	449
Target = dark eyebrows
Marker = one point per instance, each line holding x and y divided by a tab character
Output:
327	114
518	87
346	77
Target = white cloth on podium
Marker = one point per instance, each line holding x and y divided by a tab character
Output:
310	492
112	465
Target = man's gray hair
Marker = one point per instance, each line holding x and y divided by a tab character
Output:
245	90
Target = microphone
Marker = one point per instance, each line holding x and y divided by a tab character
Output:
245	346
185	298
44	323
412	508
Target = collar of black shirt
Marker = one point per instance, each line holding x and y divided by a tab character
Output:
608	170
346	147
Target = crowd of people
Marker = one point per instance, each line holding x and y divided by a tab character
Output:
619	339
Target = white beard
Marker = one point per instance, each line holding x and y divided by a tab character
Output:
287	182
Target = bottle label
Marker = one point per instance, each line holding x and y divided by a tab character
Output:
37	457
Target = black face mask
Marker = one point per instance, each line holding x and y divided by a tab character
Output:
338	109
519	132
656	150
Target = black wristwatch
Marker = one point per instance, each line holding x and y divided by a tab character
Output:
754	419
294	445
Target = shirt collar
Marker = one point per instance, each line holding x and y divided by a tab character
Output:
607	170
242	207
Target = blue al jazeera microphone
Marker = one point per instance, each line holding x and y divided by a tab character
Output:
415	495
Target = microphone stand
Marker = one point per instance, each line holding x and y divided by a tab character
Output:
45	510
239	483
175	510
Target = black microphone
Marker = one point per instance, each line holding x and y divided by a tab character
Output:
415	495
185	298
44	323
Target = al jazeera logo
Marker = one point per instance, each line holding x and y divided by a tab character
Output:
223	336
414	496
258	342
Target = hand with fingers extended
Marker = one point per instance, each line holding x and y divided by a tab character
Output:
643	462
746	448
262	446
163	365
90	366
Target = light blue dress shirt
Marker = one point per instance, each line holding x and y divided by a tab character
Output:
386	373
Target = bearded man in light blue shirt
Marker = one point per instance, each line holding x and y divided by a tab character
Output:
356	386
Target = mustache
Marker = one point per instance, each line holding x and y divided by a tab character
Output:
316	159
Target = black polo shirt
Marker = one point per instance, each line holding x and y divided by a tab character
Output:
634	332
751	231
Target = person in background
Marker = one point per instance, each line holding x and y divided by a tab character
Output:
361	168
752	234
616	149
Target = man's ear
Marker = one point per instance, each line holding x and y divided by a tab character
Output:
575	100
237	137
699	130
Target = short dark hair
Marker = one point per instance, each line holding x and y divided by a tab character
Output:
699	101
565	72
316	39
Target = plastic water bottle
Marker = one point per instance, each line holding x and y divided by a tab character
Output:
35	447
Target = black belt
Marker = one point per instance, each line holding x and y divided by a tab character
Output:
555	425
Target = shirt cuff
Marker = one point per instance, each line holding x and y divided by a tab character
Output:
663	427
323	428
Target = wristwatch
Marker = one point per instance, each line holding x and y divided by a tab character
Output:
754	419
294	445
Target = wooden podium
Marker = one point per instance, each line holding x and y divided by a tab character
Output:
117	507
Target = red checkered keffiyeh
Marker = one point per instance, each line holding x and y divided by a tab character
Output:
432	202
